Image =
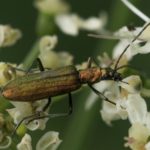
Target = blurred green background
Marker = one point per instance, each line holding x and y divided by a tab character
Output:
82	130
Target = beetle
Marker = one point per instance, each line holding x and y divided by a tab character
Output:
50	83
64	80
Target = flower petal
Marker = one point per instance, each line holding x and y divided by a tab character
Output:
7	143
68	24
52	7
136	108
132	84
47	43
109	113
49	141
25	143
8	35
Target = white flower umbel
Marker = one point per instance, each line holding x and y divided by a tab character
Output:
71	23
8	35
25	143
50	58
139	132
51	7
49	141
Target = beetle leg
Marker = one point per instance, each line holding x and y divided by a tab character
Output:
38	115
40	65
47	104
25	118
70	104
89	62
46	116
35	116
101	94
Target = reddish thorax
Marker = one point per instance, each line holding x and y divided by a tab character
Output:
90	75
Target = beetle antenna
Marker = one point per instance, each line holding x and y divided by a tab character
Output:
124	82
126	48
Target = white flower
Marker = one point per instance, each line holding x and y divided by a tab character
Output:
110	112
147	146
49	141
68	24
132	84
21	110
136	108
8	35
71	23
6	142
101	86
7	72
25	109
51	7
47	43
140	46
111	90
25	143
139	117
104	60
50	58
137	138
119	96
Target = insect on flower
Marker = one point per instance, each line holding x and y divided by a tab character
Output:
49	83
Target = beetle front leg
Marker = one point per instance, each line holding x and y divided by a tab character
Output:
89	62
41	67
101	94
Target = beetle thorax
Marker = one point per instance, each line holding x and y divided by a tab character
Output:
90	75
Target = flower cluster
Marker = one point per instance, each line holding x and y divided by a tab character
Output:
50	141
125	94
68	22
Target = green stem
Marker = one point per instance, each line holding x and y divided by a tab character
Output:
32	55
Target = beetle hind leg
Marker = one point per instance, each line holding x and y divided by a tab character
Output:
36	117
39	115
